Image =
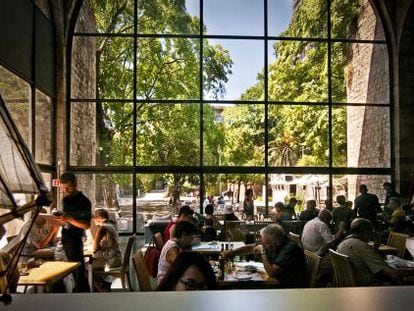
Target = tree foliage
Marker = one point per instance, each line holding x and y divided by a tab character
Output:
299	134
167	68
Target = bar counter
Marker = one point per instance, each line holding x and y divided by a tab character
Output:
339	299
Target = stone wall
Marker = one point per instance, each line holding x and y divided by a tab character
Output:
368	127
83	86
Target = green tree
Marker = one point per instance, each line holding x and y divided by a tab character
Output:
299	134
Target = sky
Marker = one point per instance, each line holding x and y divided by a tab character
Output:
243	17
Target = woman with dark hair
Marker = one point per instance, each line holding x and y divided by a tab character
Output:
210	224
106	251
190	271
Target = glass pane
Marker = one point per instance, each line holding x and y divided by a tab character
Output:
302	19
360	73
355	19
234	17
233	135
168	134
168	68
233	69
279	16
83	74
161	195
16	95
112	192
298	71
367	136
303	187
348	185
115	16
298	135
43	128
101	134
177	17
232	187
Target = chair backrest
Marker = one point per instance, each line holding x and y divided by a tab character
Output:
296	237
234	230
127	254
312	267
398	241
141	271
344	275
158	240
295	226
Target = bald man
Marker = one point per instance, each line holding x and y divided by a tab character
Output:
369	267
317	237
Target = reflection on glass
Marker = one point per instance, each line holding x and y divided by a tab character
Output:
168	17
43	128
355	19
232	69
16	95
366	139
168	68
168	134
233	135
348	185
360	73
115	17
298	71
234	17
298	135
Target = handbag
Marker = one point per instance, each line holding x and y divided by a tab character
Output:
151	257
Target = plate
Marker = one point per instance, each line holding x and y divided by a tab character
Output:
243	277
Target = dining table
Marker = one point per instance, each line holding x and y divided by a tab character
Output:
47	253
215	247
245	275
46	273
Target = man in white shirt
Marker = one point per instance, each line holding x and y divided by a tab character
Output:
317	237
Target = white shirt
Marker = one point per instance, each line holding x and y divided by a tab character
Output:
163	264
316	236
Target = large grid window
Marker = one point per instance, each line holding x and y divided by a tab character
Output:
176	100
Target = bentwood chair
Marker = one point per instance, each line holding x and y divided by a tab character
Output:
312	267
344	275
398	241
141	271
122	272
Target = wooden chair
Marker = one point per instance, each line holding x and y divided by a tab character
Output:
158	240
122	272
296	237
234	231
398	241
141	271
344	275
312	267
